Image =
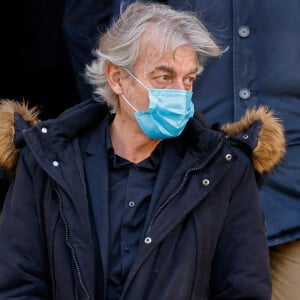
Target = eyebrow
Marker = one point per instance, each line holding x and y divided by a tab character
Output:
171	70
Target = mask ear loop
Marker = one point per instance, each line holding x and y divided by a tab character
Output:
136	79
129	103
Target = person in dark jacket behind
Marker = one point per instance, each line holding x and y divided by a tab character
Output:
261	67
136	196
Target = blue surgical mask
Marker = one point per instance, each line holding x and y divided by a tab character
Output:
168	113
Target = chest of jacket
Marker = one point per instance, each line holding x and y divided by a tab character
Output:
190	210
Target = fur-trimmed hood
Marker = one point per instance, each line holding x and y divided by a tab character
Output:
268	152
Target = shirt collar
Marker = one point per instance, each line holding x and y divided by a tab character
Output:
152	162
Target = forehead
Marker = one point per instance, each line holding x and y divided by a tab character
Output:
152	54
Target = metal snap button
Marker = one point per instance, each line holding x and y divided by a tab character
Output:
44	130
228	157
205	182
148	240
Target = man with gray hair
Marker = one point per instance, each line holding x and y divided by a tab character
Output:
135	196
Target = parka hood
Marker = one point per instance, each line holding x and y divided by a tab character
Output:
271	145
8	108
267	152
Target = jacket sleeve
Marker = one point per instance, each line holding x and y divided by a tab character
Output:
241	262
23	271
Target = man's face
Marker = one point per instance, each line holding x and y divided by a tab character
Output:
171	70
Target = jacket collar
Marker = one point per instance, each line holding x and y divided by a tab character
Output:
266	145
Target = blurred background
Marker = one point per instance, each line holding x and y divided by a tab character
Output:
34	61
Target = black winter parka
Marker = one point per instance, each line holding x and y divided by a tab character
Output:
205	238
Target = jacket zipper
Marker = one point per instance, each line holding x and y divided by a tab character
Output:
67	239
172	196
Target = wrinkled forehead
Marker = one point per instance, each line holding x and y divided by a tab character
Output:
157	44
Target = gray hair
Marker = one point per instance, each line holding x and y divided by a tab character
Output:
120	44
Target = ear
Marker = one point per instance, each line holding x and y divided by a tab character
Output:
113	74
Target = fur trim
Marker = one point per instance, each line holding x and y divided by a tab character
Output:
8	152
271	144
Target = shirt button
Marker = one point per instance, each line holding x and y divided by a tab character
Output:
245	94
55	163
131	204
244	31
127	249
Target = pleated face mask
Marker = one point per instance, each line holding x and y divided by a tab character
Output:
168	112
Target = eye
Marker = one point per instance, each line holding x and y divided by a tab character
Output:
163	78
190	80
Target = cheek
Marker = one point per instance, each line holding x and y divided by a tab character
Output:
140	99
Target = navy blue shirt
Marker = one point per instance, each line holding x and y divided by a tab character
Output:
130	189
123	196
